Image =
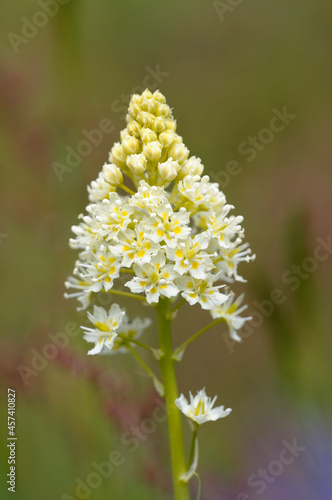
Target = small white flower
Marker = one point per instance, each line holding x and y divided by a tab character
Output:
87	237
168	226
106	324
135	246
189	256
191	188
201	291
112	215
220	226
148	197
83	285
231	311
200	408
154	279
229	258
102	269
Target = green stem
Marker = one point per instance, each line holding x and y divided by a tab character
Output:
127	294
124	270
134	341
127	189
180	487
177	307
196	335
155	379
192	447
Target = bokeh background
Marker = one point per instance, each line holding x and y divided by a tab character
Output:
224	69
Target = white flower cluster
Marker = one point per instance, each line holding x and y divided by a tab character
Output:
170	233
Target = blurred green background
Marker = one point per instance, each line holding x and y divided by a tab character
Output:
224	71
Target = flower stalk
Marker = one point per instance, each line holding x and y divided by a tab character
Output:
181	491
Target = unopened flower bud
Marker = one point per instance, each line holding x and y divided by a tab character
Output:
131	145
152	151
163	110
134	128
159	124
145	118
168	170
179	152
137	163
166	138
192	166
148	105
147	94
171	125
136	99
117	155
124	134
147	135
158	96
134	110
112	174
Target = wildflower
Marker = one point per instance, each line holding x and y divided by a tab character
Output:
168	226
155	220
201	291
200	408
154	279
190	258
105	324
135	246
231	311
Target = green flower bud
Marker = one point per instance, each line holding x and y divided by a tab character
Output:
163	110
158	96
134	128
159	124
145	118
179	152
147	94
171	125
152	151
134	110
166	138
131	145
147	135
148	105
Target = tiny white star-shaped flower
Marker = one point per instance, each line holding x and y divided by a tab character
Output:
105	325
189	256
200	409
154	279
201	291
102	269
168	226
135	246
231	311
